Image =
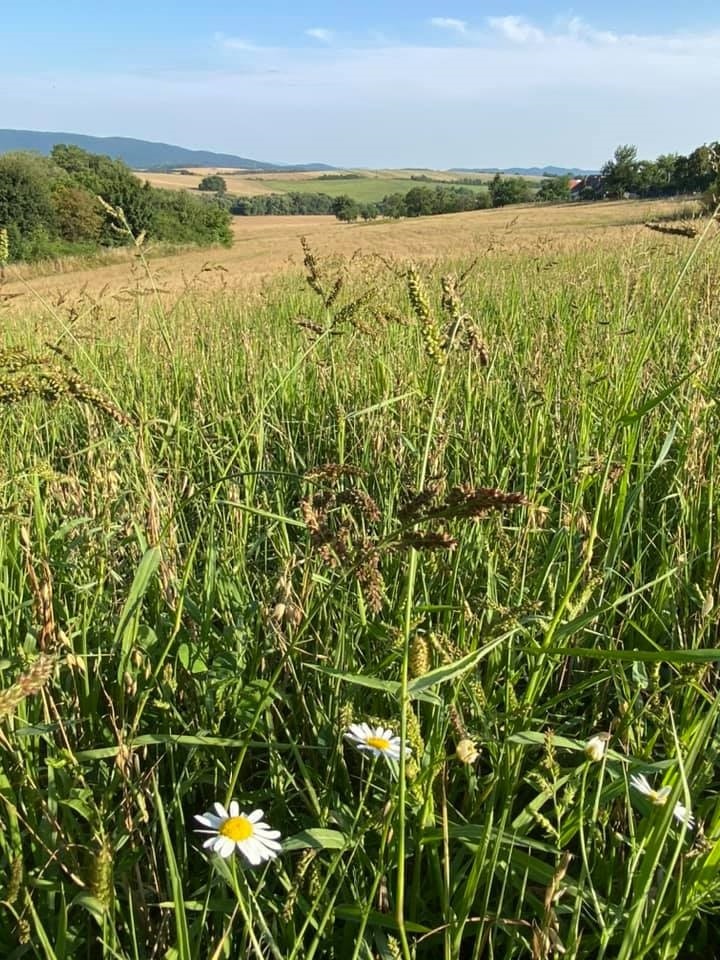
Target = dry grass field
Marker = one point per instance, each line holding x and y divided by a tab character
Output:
265	246
238	182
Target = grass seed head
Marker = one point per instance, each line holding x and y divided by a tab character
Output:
101	874
419	659
27	685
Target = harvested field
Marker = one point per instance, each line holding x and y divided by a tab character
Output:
264	246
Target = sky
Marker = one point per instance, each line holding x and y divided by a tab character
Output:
376	84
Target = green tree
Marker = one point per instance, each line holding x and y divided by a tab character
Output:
115	182
419	202
506	190
621	172
213	182
393	205
554	189
26	202
345	208
369	211
78	214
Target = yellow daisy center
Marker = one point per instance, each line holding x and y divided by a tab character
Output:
380	743
236	828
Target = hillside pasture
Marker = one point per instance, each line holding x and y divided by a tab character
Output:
370	187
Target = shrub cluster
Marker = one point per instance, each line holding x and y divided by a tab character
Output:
287	204
51	206
418	202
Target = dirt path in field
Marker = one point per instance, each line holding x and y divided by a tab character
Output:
265	246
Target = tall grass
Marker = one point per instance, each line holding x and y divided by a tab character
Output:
199	593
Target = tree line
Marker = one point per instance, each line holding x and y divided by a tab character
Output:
51	206
668	175
420	201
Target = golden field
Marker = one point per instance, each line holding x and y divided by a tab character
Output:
265	246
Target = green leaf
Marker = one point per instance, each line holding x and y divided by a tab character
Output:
376	919
315	839
631	656
452	670
128	623
391	687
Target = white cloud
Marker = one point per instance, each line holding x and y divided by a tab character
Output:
321	34
449	23
569	98
234	43
516	29
576	27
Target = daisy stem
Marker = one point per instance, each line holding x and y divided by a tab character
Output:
244	910
376	883
299	941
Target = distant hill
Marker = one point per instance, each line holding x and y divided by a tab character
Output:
529	171
141	154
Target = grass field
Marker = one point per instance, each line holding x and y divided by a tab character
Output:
364	190
470	502
372	186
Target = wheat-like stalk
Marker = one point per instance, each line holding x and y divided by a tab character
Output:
27	684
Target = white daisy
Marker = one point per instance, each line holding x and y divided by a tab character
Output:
231	830
376	741
659	798
596	746
683	815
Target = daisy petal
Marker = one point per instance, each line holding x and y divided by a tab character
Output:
267	835
208	820
255	817
252	851
683	815
225	847
234	808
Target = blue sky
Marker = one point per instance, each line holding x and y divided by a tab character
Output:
377	84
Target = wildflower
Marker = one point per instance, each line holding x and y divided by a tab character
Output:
376	741
656	797
596	746
230	830
466	752
659	798
683	815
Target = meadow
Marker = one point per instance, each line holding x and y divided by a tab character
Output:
364	186
461	490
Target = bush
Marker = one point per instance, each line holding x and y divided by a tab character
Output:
214	183
26	200
78	214
182	218
345	208
507	190
51	207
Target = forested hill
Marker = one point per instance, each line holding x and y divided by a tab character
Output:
138	154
